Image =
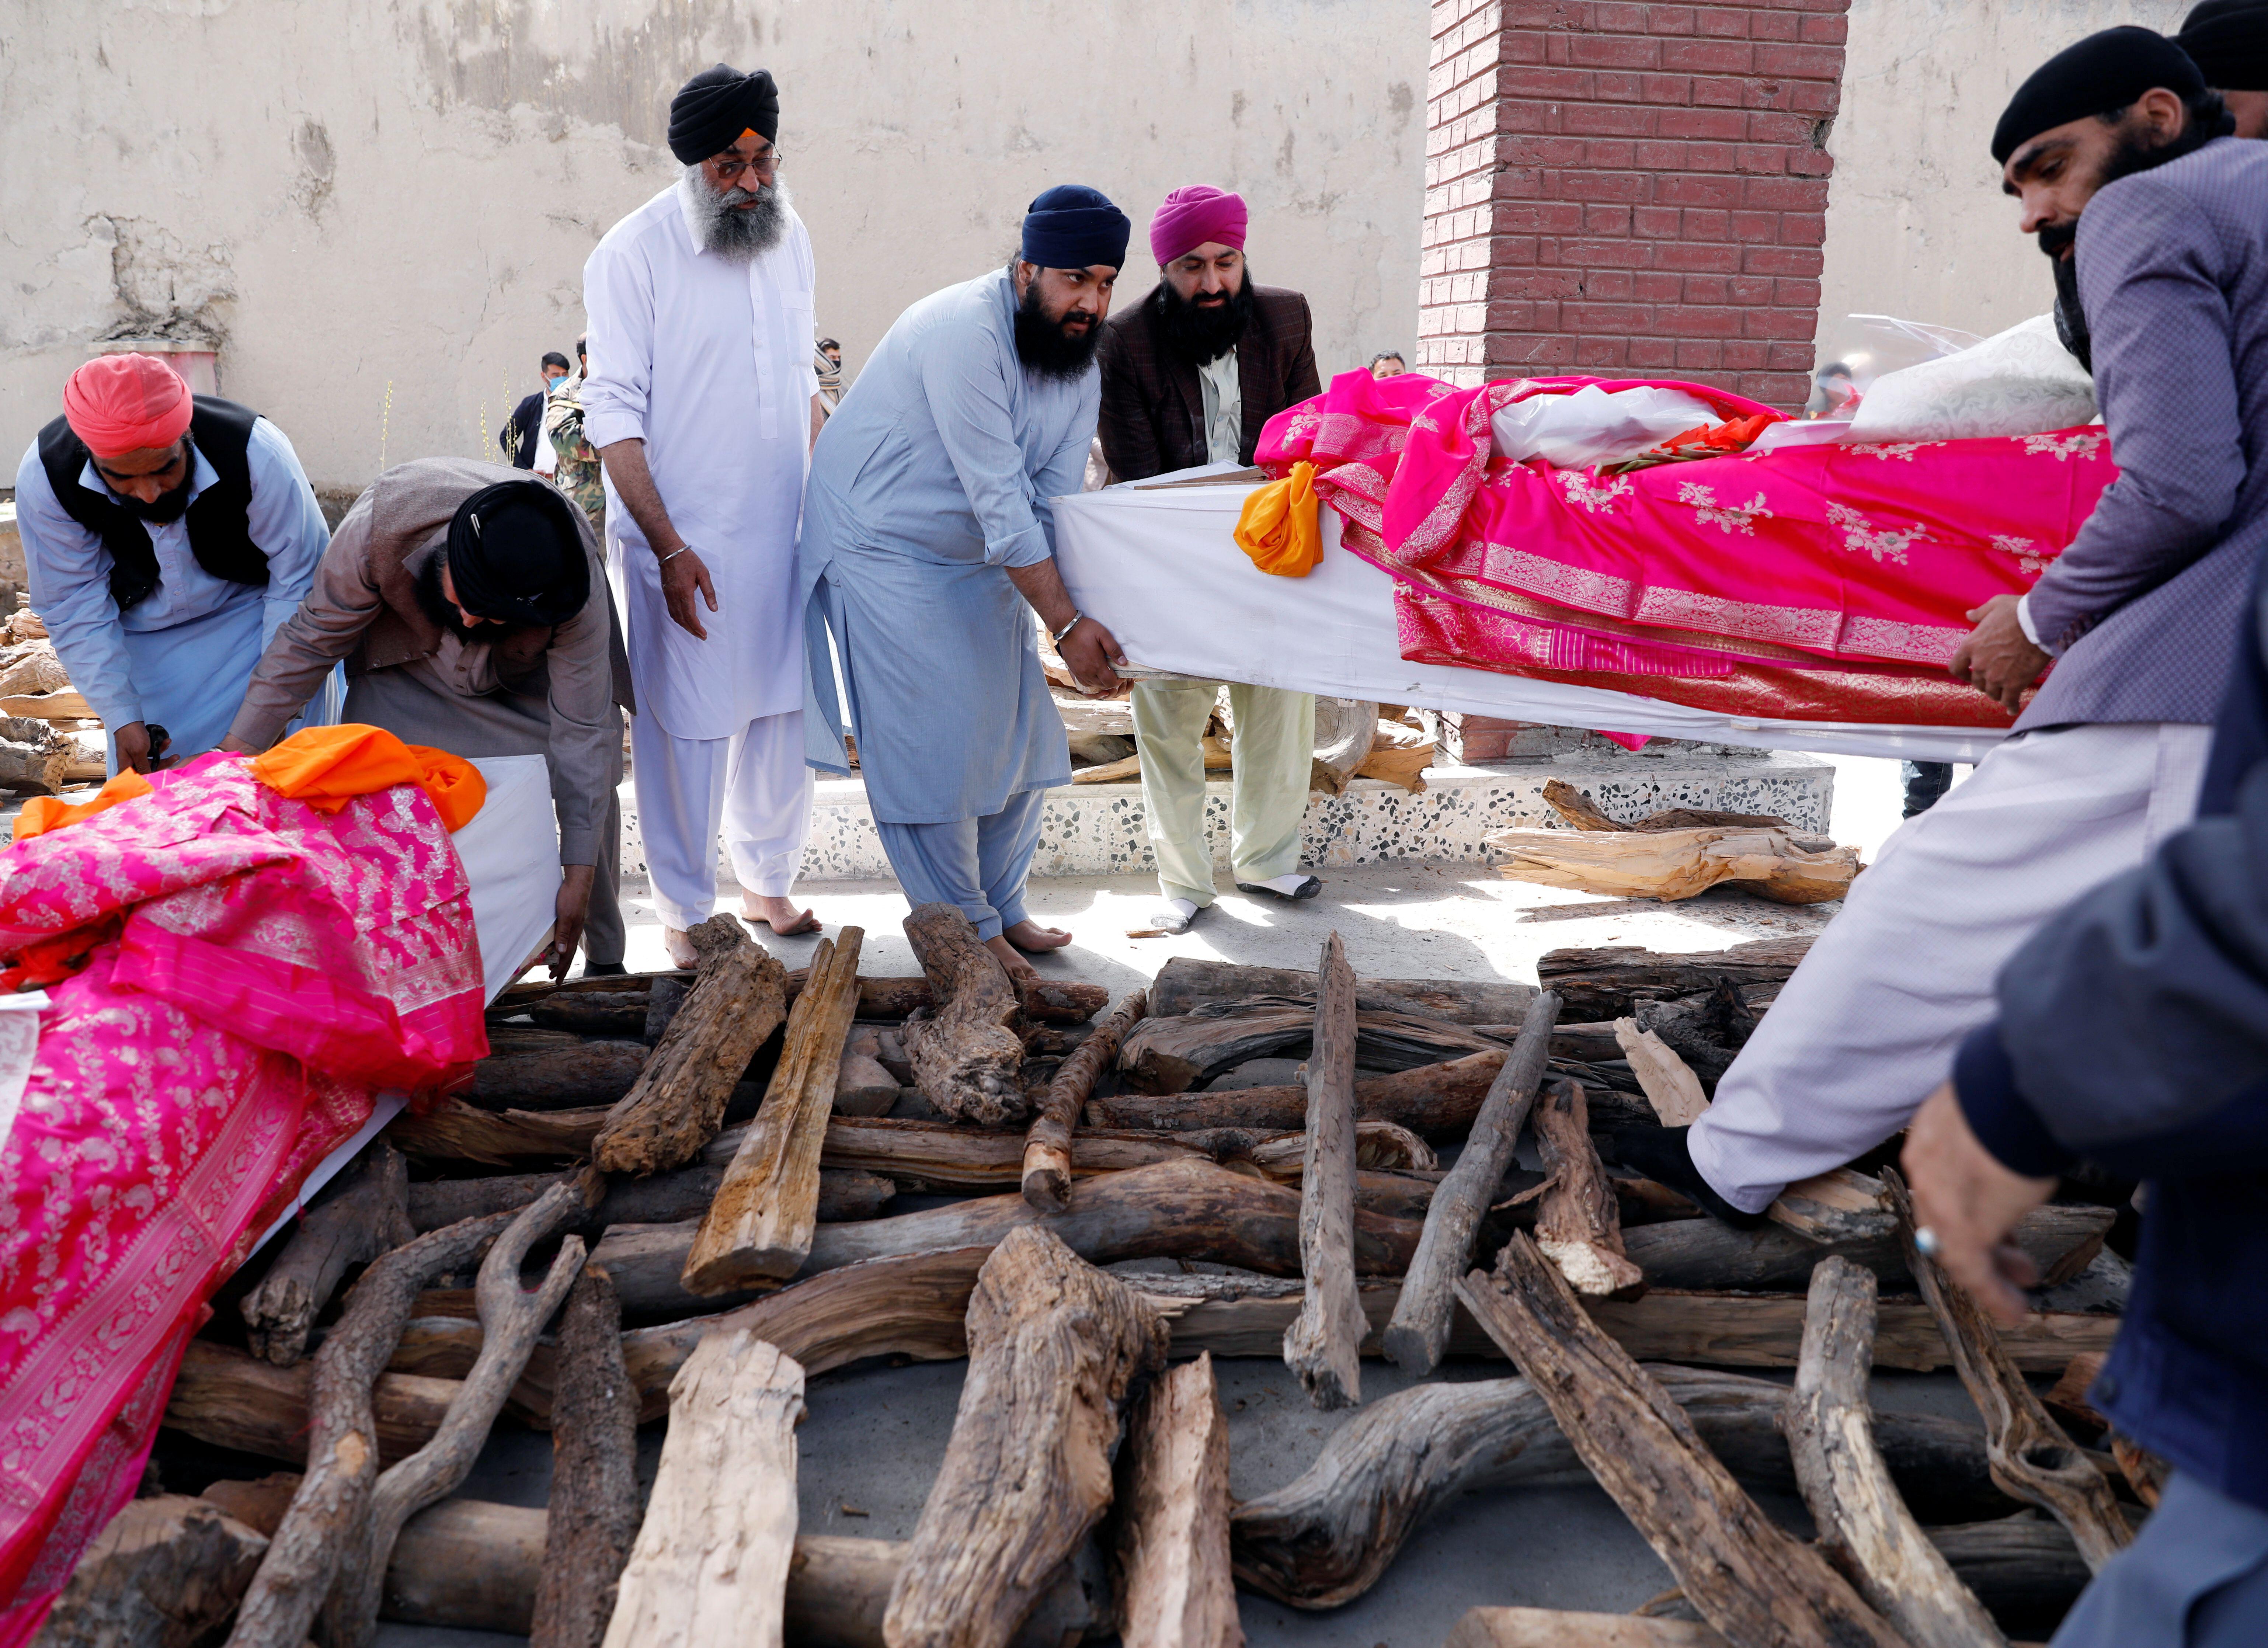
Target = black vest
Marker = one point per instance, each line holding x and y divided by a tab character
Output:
220	534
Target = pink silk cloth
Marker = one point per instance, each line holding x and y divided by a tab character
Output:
273	968
1711	582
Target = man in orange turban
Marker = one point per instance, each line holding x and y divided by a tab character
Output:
166	537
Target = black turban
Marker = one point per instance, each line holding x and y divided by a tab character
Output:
1072	227
712	109
2103	73
2227	40
515	556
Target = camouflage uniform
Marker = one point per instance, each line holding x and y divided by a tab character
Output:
578	475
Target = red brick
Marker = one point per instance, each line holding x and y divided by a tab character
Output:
1693	321
1704	288
1815	97
1528	117
1796	294
1667	91
1710	57
1656	222
1746	355
1810	162
1803	228
1512	252
1721	23
1651	354
1710	125
1803	262
1601	351
1784	194
1526	350
1700	259
1619	85
1602	51
1749	288
1627	187
1543	83
1666	20
1782	323
1537	284
1611	154
1607	119
1774	25
1757	228
1602	317
1708	226
1542	218
1765	159
1660	156
1547	151
1777	126
1785	390
1720	192
1550	14
1720	93
1793	356
1712	156
1630	255
1611	285
1656	287
1619	16
1797	62
1698	355
1826	30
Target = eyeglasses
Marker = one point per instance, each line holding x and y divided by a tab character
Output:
730	167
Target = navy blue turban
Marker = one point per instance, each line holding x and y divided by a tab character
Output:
712	109
2105	71
1071	227
2228	38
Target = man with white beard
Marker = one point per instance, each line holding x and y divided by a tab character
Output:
702	403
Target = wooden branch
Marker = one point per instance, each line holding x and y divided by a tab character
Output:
1778	864
1323	1539
1437	1101
1578	1221
2032	1456
1055	1345
571	1073
1607	984
1174	1588
1324	1346
1047	1166
1749	1579
965	1058
1671	1087
594	1491
510	1321
615	1012
454	1130
1170	1055
1578	808
758	1231
666	1198
1185	983
365	1220
323	1530
678	1101
711	1561
1863	1523
1420	1330
1836	1207
1554	1628
1709	1254
864	1085
1041	1000
165	1572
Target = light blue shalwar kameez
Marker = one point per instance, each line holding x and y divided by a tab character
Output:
930	480
181	657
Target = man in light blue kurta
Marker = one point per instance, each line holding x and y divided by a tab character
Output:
928	543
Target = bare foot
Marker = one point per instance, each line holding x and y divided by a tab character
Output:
1018	968
1029	936
678	942
779	913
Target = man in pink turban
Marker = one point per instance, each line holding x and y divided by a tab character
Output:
166	537
1190	375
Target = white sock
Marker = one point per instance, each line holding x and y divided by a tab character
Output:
1287	885
1186	908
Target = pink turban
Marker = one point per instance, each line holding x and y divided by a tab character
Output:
1190	216
122	403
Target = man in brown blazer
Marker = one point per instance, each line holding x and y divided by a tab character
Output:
1190	376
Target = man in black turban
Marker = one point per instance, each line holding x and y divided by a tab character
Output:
724	128
2227	40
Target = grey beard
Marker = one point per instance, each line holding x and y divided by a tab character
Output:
730	230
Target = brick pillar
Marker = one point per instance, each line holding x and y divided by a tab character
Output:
1628	190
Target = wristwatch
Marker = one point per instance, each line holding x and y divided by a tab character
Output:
1076	619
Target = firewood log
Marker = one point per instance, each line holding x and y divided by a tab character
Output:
1435	1101
1862	1521
454	1130
34	756
163	1572
679	1100
1324	1346
864	1085
1673	864
594	1491
2033	1458
558	1078
615	1014
1671	1087
1174	1587
367	1217
1047	1163
758	1231
1841	1206
1163	1056
1578	1220
2069	1396
711	1563
1707	1254
1055	1347
1749	1579
965	1058
1419	1332
1607	984
1041	1000
1557	1628
1185	983
666	1198
1324	1539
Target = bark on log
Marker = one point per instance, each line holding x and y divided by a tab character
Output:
165	1572
711	1561
1185	983
2069	1396
232	1400
594	1491
1323	1539
560	1078
1042	1001
1749	1578
1863	1524
1170	1055
678	1101
666	1198
1555	1628
325	1529
1841	1206
1047	1165
1671	1087
365	1219
1578	1220
42	766
2032	1457
454	1130
758	1231
1324	1346
1435	1101
1706	1254
1779	865
1055	1345
1175	1587
1419	1332
864	1085
1607	984
615	1014
965	1058
510	1321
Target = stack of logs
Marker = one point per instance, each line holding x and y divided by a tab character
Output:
666	1198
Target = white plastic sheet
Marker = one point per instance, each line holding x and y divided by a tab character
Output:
1592	427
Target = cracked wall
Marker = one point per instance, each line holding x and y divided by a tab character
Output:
379	209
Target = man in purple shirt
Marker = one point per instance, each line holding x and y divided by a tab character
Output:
2163	286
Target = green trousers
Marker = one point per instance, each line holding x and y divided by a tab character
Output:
1275	746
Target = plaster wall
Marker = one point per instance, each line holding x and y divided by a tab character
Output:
1916	226
379	209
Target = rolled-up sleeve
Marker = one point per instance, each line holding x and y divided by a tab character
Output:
968	396
341	602
69	572
285	522
618	307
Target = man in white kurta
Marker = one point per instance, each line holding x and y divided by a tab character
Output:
701	402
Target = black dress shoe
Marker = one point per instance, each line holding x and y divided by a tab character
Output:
1662	1155
1306	889
604	969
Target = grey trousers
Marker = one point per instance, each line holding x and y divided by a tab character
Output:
2196	1576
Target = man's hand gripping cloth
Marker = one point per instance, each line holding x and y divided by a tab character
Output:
1278	528
270	967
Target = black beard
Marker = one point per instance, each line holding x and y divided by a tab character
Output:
1046	349
1197	333
168	506
2059	241
436	606
732	228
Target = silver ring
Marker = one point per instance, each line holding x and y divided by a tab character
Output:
1926	1242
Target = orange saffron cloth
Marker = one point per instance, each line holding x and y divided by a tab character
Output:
1278	528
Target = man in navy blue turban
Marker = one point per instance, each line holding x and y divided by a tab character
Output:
928	545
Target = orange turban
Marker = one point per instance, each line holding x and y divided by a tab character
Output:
122	403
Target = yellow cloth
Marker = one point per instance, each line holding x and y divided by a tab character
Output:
1278	528
326	767
42	813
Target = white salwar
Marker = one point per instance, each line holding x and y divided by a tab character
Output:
707	361
1867	1026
